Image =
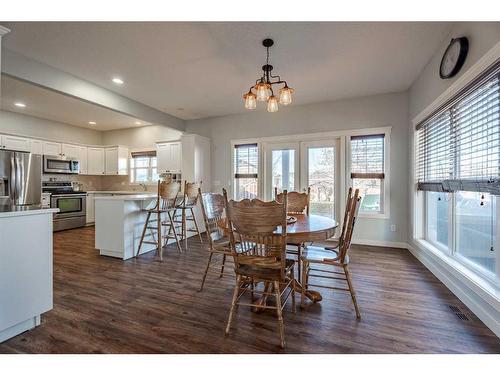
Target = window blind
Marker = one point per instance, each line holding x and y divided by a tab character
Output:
367	156
246	159
144	154
458	147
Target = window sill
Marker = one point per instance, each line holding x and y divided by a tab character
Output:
365	215
468	272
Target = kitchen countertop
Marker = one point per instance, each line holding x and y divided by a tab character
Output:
124	192
129	197
9	211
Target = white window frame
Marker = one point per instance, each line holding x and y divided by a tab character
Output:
385	183
345	158
150	170
260	168
471	273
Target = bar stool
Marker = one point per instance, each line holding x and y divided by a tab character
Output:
166	202
189	201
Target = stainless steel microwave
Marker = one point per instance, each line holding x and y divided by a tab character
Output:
57	164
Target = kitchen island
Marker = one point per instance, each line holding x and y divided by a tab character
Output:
25	268
119	220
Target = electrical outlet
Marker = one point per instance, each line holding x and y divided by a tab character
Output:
393	228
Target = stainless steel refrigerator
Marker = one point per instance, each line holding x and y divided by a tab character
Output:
20	178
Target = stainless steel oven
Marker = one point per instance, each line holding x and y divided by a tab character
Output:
72	210
59	164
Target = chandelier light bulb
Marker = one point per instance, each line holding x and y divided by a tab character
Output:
286	95
250	100
262	91
272	104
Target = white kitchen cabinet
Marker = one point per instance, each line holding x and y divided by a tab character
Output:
169	157
36	147
95	160
116	161
11	142
70	151
51	148
82	158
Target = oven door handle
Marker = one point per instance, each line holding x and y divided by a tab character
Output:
68	195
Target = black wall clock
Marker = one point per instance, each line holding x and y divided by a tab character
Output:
454	57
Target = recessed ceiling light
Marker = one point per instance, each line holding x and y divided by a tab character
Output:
138	123
118	81
92	123
20	105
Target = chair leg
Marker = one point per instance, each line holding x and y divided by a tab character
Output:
171	218
299	254
184	232
196	224
160	247
143	233
222	267
294	308
206	271
305	265
353	293
233	303
280	313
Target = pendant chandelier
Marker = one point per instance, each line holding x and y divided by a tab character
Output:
264	87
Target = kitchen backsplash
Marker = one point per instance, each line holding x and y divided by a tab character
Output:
100	183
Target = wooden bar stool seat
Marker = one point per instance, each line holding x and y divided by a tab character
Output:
165	204
186	207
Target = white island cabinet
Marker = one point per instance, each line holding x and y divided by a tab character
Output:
119	220
25	269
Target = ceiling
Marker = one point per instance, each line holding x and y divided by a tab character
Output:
50	105
201	69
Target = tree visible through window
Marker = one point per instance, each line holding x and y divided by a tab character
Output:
246	166
367	170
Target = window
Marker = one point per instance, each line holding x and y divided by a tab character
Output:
458	172
246	167
367	171
143	167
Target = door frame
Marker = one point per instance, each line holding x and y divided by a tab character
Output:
339	144
269	147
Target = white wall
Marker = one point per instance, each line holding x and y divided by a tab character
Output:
18	124
428	86
358	113
424	91
143	137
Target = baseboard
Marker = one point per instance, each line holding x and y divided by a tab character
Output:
468	292
399	245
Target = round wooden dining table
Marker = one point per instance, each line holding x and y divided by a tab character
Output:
306	228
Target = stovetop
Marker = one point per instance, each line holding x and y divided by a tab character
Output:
59	187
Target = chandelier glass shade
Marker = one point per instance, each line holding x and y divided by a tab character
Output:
263	91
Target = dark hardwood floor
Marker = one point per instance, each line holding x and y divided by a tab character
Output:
105	305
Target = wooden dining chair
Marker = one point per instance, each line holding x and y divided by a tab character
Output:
166	202
334	243
188	203
337	258
212	207
298	203
259	254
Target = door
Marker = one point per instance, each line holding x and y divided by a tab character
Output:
70	205
51	148
111	161
70	151
82	158
176	157
282	168
36	147
26	178
320	170
14	143
95	161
